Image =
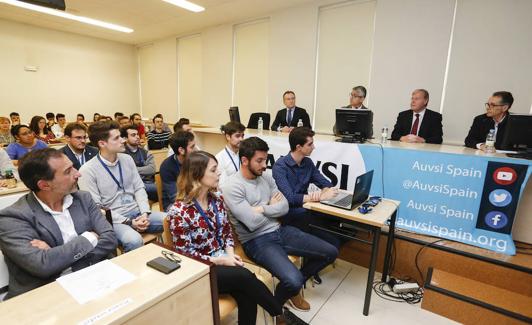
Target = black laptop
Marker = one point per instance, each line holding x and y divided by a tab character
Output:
360	193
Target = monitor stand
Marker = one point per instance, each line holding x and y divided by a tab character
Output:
352	139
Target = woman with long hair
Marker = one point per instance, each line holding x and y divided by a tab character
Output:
200	228
41	130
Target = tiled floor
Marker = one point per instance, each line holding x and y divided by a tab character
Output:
340	298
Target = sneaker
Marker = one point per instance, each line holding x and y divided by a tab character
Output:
289	318
316	279
299	303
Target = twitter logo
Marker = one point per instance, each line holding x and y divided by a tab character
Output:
500	197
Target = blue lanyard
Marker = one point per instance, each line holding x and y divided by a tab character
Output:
218	230
119	184
234	164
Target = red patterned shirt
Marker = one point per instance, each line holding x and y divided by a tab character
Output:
192	235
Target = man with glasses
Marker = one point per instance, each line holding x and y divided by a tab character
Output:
497	109
287	118
76	148
356	100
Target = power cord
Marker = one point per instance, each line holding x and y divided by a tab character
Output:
417	257
385	291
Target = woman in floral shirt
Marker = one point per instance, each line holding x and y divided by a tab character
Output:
199	226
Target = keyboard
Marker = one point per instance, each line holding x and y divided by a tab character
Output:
345	201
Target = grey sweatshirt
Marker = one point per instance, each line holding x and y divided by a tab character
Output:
242	194
105	192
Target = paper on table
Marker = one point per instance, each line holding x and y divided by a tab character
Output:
95	281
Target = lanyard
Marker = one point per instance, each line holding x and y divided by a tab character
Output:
119	184
218	230
229	154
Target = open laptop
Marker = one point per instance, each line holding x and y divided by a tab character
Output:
360	193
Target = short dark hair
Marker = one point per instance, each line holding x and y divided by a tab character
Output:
74	126
233	127
157	116
117	114
132	116
249	146
179	125
123	131
50	115
180	139
362	89
288	92
34	167
424	91
59	115
83	116
13	114
298	136
99	131
506	97
16	129
123	117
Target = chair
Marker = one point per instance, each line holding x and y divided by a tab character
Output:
254	121
159	185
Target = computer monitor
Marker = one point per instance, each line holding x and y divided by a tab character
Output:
354	125
518	134
234	116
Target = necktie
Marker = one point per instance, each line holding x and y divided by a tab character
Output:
289	117
415	125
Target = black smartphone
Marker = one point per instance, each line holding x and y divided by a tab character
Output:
163	265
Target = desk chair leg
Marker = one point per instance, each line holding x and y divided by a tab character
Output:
371	272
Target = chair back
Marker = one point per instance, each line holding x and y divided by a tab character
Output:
254	121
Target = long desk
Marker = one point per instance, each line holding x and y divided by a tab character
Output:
181	297
382	215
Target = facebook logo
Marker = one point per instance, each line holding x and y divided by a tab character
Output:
496	219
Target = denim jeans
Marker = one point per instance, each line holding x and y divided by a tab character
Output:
271	251
301	218
131	239
151	190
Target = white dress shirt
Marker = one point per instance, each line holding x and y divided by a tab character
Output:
421	114
227	160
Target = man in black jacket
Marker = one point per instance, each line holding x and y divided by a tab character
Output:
419	124
76	148
288	117
495	118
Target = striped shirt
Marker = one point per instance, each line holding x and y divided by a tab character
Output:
158	140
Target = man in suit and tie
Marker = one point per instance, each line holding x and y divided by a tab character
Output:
287	118
356	100
54	229
76	148
419	124
495	118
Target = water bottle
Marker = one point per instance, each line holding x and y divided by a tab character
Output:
299	123
11	181
260	125
279	128
490	141
384	134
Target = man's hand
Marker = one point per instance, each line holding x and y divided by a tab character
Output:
286	129
3	183
39	244
482	147
228	260
258	209
411	138
141	222
277	197
327	193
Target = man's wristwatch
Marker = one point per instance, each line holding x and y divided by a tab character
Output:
128	222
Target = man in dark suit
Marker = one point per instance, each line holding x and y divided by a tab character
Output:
356	101
419	124
54	229
495	118
76	148
287	118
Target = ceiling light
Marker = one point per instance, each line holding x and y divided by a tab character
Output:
66	15
186	5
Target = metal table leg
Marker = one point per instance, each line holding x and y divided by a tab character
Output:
388	253
372	266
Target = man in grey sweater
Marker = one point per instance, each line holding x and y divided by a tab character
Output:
114	183
256	206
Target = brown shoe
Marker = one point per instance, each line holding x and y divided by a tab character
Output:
299	303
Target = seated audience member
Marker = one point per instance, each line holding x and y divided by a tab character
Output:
497	109
106	118
76	148
6	164
182	143
256	206
114	183
96	117
15	118
144	160
228	160
136	120
183	125
59	128
356	100
199	226
118	115
26	142
80	119
41	131
419	124
123	121
50	120
158	137
5	132
54	229
288	117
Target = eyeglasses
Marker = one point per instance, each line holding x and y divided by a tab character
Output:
26	133
80	138
355	96
490	105
171	256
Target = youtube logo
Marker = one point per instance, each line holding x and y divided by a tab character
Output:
504	176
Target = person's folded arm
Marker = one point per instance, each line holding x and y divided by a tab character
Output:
235	199
284	185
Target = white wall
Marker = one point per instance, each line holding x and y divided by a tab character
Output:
76	74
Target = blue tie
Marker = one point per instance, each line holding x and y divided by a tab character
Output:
289	118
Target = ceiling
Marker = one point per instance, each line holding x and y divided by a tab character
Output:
151	19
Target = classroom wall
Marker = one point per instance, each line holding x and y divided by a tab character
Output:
459	50
76	74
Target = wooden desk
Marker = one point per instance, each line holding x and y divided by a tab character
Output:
382	215
181	297
159	156
8	196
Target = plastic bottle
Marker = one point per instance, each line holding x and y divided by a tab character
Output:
260	125
299	123
11	181
384	134
490	141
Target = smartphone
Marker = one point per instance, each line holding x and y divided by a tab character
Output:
164	265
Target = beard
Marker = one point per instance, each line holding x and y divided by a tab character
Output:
257	172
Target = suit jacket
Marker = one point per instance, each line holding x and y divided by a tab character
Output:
482	124
30	267
90	152
347	106
299	114
431	128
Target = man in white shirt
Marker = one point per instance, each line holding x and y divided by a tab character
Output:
54	229
59	127
228	160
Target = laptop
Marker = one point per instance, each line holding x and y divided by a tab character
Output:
360	194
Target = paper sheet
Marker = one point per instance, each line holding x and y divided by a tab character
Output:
95	281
